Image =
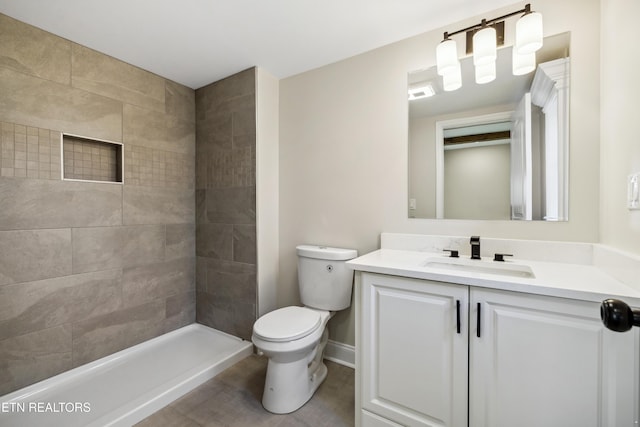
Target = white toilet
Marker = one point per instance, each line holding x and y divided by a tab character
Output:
294	338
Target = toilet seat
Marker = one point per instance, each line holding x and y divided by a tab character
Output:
287	324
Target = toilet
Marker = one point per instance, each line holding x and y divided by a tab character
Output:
293	338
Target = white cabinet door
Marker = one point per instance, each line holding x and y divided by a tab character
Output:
542	361
414	360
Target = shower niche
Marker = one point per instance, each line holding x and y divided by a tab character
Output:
90	159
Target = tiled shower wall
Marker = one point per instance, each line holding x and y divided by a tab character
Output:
26	152
226	204
87	269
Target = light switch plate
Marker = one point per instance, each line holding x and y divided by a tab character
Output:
412	204
633	191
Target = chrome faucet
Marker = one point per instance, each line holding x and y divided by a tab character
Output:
475	247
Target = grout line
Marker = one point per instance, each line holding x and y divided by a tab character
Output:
70	64
164	244
72	257
123	166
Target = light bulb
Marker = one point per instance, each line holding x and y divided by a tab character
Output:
447	56
529	33
484	46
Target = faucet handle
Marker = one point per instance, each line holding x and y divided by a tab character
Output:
500	257
454	253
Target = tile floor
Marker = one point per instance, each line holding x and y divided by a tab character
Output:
233	399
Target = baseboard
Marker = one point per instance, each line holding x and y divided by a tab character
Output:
340	353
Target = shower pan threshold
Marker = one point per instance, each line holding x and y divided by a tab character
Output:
128	386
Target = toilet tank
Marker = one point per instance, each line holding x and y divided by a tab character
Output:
324	280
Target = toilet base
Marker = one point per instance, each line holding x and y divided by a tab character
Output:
288	386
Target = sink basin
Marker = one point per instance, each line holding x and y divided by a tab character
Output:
479	266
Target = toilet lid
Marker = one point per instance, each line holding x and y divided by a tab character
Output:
287	324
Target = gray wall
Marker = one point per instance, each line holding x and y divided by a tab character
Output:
226	204
87	269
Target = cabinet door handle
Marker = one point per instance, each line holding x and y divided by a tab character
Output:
458	315
478	329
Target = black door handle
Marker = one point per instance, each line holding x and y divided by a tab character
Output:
478	330
458	315
618	316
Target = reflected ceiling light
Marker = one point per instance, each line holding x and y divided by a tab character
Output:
483	40
421	90
486	73
452	80
522	63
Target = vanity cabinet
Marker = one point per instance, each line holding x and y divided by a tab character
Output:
535	360
414	363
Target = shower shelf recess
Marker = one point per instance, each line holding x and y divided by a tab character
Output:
91	159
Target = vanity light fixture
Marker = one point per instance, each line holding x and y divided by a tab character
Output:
483	40
447	56
485	45
529	32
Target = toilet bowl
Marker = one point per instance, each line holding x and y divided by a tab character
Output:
294	337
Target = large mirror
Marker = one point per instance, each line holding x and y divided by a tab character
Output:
499	150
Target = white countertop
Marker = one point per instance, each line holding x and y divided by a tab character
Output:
558	279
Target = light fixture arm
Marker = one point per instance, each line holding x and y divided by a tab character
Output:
486	22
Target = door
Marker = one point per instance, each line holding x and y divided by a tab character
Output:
543	361
414	351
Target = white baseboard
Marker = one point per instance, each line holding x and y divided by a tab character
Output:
340	353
